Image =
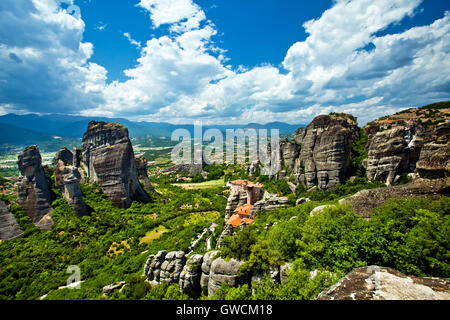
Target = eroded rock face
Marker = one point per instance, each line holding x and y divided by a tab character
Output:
269	204
395	148
435	165
165	266
68	179
325	151
141	167
222	271
432	181
65	155
108	160
389	153
190	276
33	193
9	228
77	154
289	153
381	283
206	268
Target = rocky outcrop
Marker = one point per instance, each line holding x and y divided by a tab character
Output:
227	231
269	204
364	201
432	181
77	154
108	159
107	290
381	283
252	168
191	275
301	201
222	271
206	268
141	167
33	192
68	180
165	266
325	150
9	228
201	274
436	164
395	146
65	155
289	151
152	268
319	209
391	152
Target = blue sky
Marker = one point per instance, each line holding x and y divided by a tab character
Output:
223	61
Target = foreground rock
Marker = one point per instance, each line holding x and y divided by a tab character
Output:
9	228
380	283
108	159
33	192
68	179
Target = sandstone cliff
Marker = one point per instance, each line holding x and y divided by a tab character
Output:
68	179
9	228
65	155
33	192
141	167
397	142
320	153
432	181
108	159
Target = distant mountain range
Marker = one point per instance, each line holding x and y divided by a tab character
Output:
19	130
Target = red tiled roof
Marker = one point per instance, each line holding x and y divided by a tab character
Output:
244	210
235	221
247	183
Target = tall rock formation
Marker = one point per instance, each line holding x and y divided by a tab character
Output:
108	159
141	167
325	150
397	142
68	179
431	181
9	228
33	192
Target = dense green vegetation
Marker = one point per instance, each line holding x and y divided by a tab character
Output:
105	244
358	154
411	236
